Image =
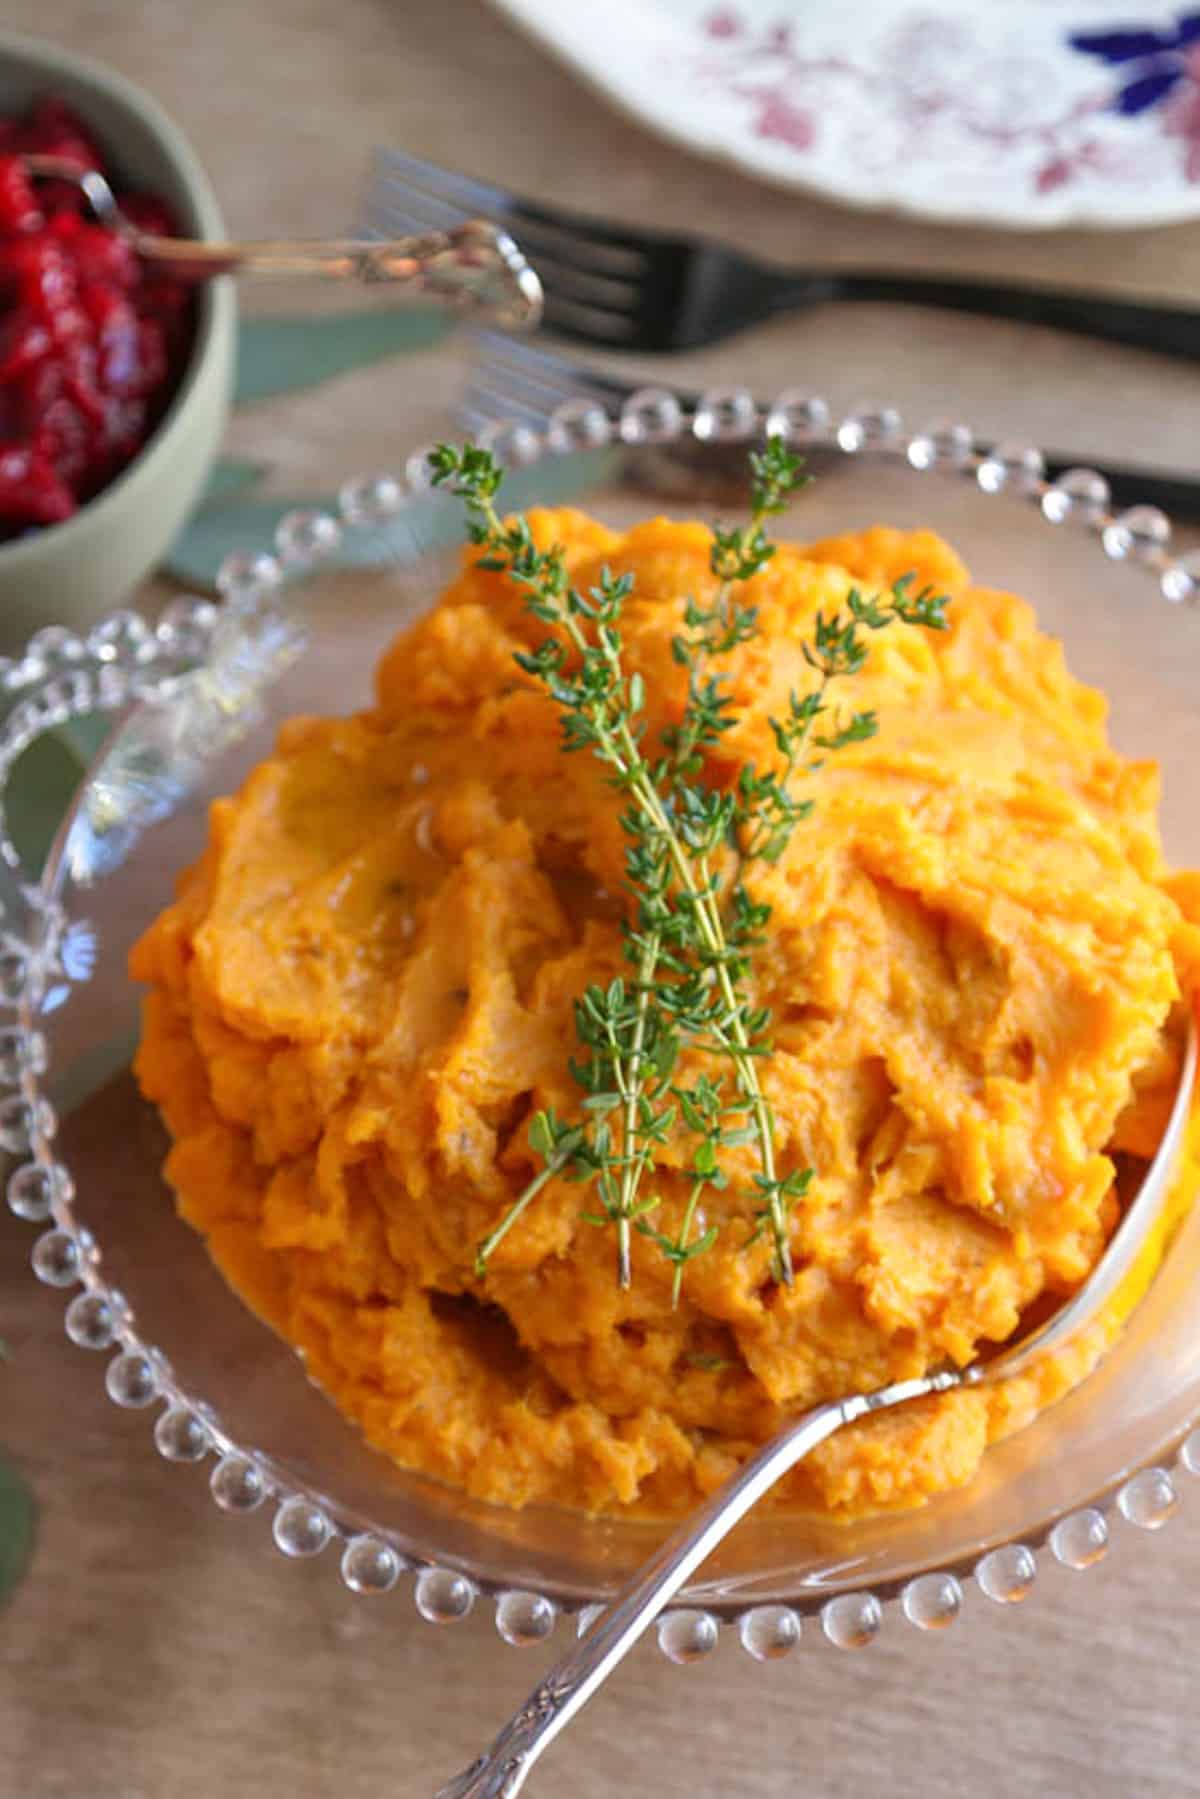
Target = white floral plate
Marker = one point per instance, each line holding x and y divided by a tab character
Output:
999	112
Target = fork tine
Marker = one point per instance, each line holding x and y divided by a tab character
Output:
540	365
479	407
393	215
540	388
483	197
582	320
485	405
453	189
393	211
621	251
444	198
508	381
600	291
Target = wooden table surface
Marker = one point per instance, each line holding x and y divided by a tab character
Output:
157	1650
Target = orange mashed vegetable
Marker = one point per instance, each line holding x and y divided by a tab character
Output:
976	964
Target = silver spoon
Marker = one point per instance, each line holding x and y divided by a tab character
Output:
476	267
500	1772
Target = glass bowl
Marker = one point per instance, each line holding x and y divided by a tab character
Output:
198	698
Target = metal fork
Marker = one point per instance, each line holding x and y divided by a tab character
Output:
624	287
514	380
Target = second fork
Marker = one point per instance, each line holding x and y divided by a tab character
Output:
624	287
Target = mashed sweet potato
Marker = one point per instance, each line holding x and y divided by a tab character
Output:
976	962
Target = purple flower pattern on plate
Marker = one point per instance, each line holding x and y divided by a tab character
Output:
932	83
1158	69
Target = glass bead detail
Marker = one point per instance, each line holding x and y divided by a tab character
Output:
943	445
1080	1540
179	1436
652	415
852	1620
1007	1575
517	445
185	626
798	416
1180	581
1148	1499
686	1636
302	537
56	1259
90	1321
237	1484
932	1601
55	644
1138	534
86	1247
1011	468
131	1380
523	1619
122	637
12	1056
370	1566
418	476
242	577
14	965
370	499
869	429
31	1192
769	1632
579	425
443	1597
725	415
300	1528
20	1051
16	1125
1078	496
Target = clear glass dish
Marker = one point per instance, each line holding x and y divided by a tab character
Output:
293	636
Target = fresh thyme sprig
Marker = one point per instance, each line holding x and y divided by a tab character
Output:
601	706
710	821
694	925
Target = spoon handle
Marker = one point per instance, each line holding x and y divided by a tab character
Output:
500	1772
476	266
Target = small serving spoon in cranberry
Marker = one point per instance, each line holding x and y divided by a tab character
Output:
475	268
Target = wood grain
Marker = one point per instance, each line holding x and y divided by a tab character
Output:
160	1651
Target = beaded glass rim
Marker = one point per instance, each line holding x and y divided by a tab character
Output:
62	676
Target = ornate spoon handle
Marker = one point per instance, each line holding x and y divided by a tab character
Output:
500	1772
476	267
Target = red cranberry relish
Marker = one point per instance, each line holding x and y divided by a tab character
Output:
91	344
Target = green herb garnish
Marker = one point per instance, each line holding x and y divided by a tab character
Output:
693	925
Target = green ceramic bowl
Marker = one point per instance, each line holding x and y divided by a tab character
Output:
75	572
